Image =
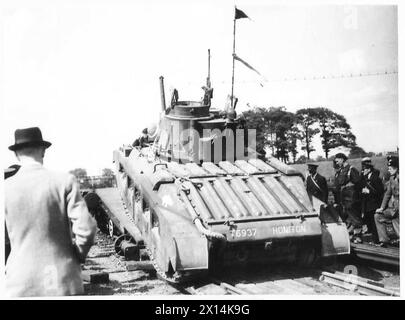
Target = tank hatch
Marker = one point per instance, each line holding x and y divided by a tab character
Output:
189	110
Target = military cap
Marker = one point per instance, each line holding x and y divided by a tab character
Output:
393	161
341	156
366	162
313	165
145	131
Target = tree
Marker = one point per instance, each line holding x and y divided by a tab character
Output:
306	121
285	134
319	159
292	139
357	152
257	118
302	159
335	130
274	130
107	172
79	172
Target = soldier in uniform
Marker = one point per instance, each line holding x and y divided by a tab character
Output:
372	190
316	184
347	184
142	141
389	210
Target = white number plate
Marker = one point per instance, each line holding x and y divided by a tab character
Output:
243	233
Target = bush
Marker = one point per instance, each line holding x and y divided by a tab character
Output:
301	159
320	158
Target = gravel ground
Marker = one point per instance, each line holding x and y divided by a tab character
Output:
102	258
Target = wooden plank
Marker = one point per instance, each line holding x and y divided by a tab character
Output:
112	200
279	289
295	286
95	277
139	265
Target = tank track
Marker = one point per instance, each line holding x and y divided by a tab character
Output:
175	279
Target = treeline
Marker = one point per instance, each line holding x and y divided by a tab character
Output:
106	179
81	172
281	131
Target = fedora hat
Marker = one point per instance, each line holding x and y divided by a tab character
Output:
28	137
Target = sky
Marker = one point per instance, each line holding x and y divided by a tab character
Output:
86	72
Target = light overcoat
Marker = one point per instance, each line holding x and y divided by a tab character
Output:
50	231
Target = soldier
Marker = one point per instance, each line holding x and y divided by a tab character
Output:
43	212
143	141
372	190
389	210
316	184
347	184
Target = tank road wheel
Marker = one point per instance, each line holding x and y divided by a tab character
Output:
111	228
122	240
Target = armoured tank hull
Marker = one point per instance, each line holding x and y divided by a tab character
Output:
247	211
197	197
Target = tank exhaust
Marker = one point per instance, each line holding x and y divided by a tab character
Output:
162	93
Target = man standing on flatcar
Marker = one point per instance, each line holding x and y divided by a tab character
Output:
372	190
316	184
389	210
347	184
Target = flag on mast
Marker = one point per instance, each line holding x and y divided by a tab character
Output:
246	64
251	68
239	14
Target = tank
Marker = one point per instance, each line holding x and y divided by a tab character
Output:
199	197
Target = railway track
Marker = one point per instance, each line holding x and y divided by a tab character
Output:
389	256
252	280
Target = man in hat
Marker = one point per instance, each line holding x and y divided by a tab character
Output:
347	185
9	172
44	212
389	210
372	190
316	184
